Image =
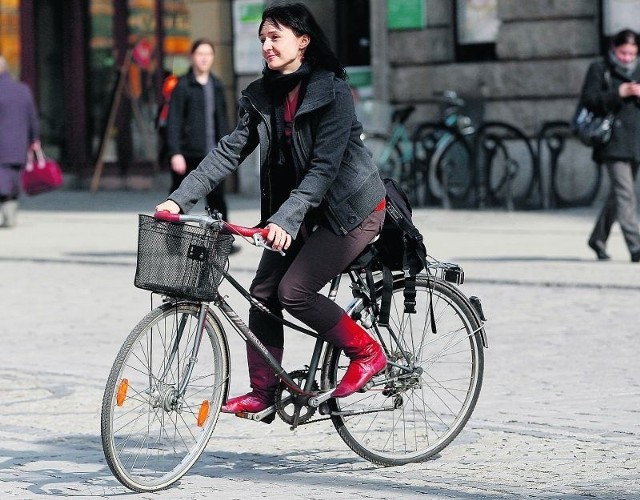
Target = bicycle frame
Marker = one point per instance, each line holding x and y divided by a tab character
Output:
312	399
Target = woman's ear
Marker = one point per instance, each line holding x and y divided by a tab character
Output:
303	41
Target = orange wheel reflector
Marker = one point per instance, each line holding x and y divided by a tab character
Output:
203	413
122	391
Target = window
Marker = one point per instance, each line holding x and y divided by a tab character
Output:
620	14
616	16
476	29
10	34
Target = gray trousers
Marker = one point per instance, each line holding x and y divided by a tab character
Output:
293	281
620	206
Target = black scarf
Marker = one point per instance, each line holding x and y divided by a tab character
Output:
278	85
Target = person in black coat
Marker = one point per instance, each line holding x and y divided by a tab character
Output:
197	120
611	85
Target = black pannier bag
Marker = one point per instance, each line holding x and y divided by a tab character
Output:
399	247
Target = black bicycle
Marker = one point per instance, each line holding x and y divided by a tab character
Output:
167	384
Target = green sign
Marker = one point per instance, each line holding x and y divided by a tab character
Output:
250	11
406	14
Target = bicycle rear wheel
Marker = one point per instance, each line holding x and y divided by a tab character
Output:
430	386
152	432
451	169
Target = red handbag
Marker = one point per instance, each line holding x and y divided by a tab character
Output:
40	176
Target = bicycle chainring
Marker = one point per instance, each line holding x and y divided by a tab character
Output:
285	400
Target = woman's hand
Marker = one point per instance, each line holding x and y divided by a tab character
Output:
629	89
168	206
178	164
278	238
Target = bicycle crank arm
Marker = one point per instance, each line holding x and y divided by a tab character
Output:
316	401
257	416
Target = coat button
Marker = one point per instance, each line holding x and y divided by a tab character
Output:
352	219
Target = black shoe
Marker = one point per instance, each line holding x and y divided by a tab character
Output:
598	248
635	256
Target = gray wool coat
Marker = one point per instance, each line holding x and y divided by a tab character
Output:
334	170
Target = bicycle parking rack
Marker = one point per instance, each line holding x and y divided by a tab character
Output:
552	138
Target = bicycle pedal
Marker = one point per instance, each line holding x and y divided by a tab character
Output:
266	416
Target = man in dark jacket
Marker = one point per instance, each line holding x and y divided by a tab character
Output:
19	131
197	120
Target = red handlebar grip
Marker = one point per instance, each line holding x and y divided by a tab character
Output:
167	216
246	231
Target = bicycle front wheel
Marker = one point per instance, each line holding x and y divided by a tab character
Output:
163	397
430	386
386	155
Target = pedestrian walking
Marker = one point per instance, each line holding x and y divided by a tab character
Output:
611	85
19	131
322	197
197	120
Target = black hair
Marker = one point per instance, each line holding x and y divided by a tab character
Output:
624	37
298	18
202	41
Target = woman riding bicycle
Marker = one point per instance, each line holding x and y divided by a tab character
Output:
322	197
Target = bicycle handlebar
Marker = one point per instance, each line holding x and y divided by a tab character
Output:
450	97
257	234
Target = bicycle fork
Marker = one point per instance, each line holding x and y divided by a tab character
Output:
169	396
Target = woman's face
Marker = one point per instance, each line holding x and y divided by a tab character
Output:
282	49
202	58
626	53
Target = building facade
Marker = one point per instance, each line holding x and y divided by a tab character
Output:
96	66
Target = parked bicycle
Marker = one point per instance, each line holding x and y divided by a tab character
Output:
448	173
167	384
475	163
391	144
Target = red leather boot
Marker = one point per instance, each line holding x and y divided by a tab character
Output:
263	382
366	355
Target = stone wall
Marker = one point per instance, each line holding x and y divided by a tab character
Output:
543	50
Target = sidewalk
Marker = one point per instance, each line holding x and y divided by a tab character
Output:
557	416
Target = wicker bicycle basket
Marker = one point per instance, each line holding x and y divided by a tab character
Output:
180	260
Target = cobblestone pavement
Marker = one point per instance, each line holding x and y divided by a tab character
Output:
558	416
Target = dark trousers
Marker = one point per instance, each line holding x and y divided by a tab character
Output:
293	281
9	182
215	199
621	205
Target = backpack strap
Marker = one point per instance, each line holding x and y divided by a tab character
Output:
409	293
387	292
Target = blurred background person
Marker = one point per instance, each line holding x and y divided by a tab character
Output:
19	132
197	120
619	93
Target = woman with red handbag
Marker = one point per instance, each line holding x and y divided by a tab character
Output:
19	130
